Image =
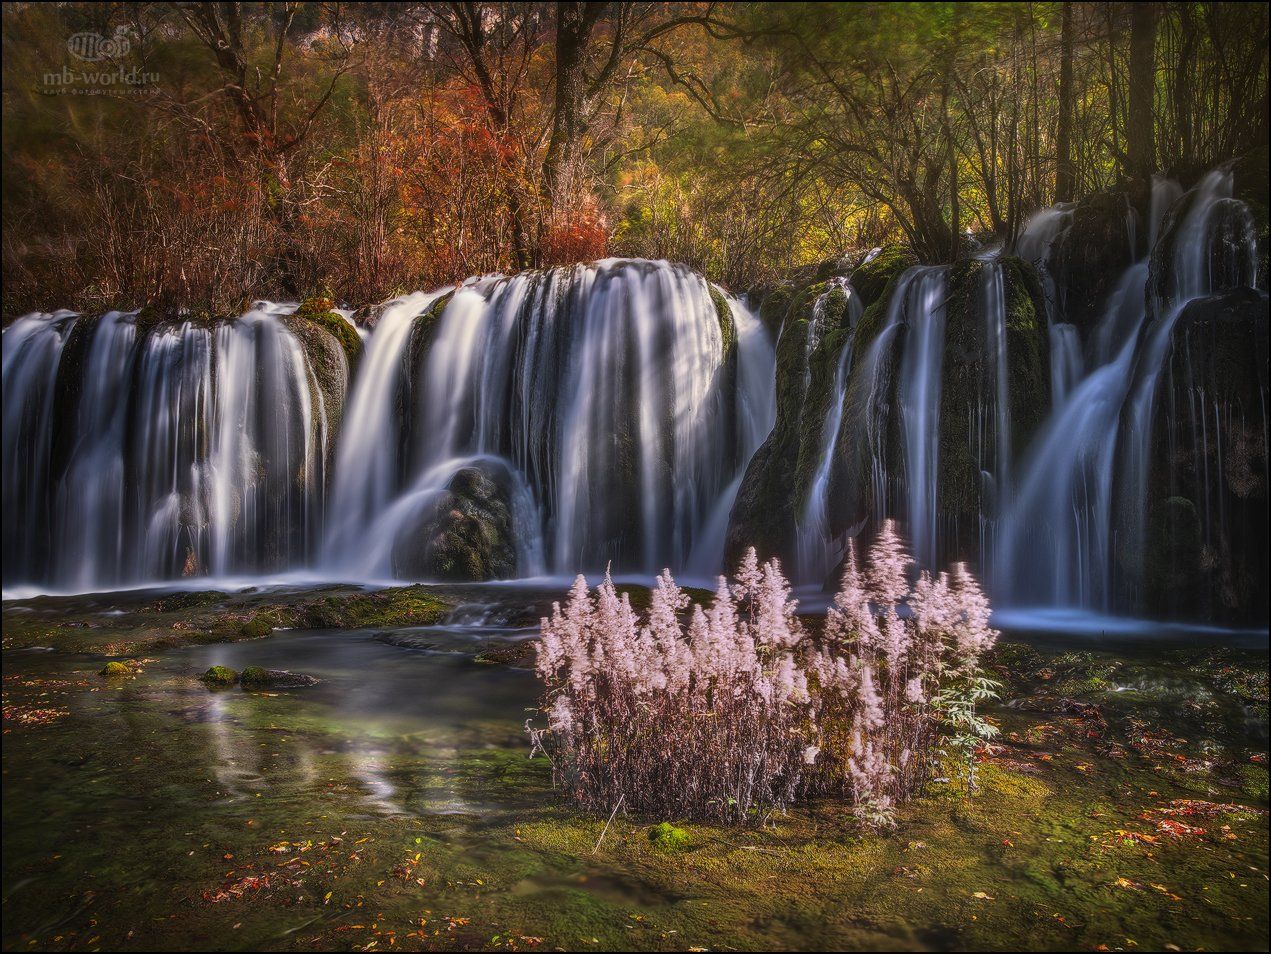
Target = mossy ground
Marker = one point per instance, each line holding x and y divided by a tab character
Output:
1125	808
127	624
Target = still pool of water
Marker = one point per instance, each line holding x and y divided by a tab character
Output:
394	804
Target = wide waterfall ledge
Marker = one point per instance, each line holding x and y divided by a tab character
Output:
1091	438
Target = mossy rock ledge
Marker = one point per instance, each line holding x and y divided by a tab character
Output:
816	327
1092	254
319	310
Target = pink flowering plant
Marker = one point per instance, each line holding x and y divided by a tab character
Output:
732	711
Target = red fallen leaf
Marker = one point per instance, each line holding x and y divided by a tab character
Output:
1008	843
1177	829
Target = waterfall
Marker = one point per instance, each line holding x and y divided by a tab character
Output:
610	408
1036	243
369	455
817	551
1074	530
991	432
32	353
1054	545
919	402
1190	277
185	450
89	502
816	554
756	410
605	389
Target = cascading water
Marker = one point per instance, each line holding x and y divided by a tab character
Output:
1054	543
919	401
1074	531
32	353
1191	276
184	450
371	455
817	551
990	427
610	407
756	414
606	389
1036	243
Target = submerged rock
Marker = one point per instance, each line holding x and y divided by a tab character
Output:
255	677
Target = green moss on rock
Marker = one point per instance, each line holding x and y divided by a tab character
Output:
257	677
669	838
874	278
114	668
724	314
775	305
257	628
467	534
814	332
220	676
319	311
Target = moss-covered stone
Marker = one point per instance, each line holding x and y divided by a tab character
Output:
114	668
872	278
148	624
1091	255
257	628
257	677
724	315
319	310
220	676
814	332
329	361
467	533
774	306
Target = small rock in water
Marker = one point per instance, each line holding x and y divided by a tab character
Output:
255	677
115	669
220	676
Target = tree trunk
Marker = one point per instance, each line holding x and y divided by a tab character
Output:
574	24
1064	177
1140	128
951	152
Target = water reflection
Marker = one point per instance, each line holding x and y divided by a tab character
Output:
390	724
